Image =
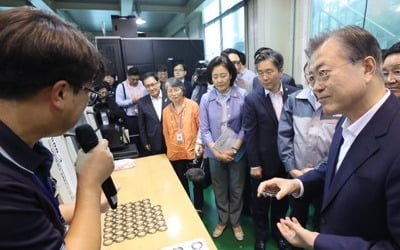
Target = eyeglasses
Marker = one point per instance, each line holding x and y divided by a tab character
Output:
90	91
151	85
133	78
394	72
178	70
236	62
173	90
265	73
323	75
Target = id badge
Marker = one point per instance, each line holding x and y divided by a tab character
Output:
179	137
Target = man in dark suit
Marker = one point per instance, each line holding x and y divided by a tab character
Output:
150	111
360	179
262	110
180	72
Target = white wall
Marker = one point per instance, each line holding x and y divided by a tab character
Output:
281	25
301	36
271	25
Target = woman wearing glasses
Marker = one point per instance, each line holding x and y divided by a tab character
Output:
180	120
221	112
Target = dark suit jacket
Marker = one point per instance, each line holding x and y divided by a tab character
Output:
188	89
285	79
361	203
261	132
150	127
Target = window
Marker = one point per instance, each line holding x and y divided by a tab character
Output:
212	40
226	5
380	17
211	10
233	30
228	16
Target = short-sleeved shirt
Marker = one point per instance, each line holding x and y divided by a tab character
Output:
29	217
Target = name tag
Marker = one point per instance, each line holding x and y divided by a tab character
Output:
179	138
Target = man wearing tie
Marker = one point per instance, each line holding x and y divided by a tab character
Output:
150	109
360	179
262	109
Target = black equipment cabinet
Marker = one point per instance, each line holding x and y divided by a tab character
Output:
147	53
110	48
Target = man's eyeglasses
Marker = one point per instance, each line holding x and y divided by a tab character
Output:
90	91
394	72
265	73
174	90
236	62
148	86
323	75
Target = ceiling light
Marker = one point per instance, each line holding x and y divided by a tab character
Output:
140	21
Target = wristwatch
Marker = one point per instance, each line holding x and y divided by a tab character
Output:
234	150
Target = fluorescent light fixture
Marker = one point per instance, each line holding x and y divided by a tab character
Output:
140	21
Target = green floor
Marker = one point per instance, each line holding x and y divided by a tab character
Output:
227	240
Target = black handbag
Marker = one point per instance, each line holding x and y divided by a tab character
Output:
199	171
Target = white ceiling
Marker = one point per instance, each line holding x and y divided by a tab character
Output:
90	16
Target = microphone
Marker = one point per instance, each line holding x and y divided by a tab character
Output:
87	139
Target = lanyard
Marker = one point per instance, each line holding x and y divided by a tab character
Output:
45	187
181	114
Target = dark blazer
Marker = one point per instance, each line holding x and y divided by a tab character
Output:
285	79
150	127
188	89
261	132
361	203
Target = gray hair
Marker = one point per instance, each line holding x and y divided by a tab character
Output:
356	42
172	82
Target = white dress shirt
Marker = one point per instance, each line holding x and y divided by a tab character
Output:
350	133
277	100
157	104
352	130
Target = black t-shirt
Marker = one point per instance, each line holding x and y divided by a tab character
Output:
28	217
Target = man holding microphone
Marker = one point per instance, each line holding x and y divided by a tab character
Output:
47	68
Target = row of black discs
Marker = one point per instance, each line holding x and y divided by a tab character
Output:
131	220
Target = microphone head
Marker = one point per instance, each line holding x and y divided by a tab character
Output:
86	137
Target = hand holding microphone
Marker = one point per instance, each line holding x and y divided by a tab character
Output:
96	166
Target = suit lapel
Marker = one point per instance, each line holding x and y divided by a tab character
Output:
332	160
165	102
150	107
285	93
363	147
266	101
